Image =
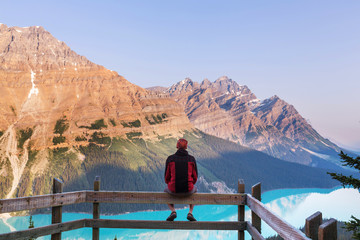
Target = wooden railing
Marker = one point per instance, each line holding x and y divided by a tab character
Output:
314	228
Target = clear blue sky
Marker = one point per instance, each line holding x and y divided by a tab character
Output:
306	52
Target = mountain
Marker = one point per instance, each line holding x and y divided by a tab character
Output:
157	89
63	116
225	109
53	98
43	80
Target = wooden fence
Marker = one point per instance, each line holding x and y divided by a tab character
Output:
314	227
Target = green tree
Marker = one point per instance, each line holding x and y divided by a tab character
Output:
354	223
31	225
115	238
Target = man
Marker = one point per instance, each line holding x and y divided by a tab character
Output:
180	176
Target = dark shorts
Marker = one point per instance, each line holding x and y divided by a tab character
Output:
194	190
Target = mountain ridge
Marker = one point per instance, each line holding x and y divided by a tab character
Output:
225	109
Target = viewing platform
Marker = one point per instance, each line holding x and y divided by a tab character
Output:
313	225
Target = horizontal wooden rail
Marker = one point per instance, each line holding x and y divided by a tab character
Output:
164	198
284	229
43	231
253	232
43	201
107	223
182	225
61	199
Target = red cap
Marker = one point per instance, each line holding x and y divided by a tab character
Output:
182	144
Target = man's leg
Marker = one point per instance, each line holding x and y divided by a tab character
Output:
172	208
190	217
191	208
172	214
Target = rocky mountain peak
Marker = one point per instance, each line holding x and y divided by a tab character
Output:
205	84
224	81
223	78
182	87
277	105
274	98
223	90
34	48
187	81
226	85
270	100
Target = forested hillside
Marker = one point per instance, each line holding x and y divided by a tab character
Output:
134	164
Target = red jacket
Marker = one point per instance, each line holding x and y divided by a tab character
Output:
181	172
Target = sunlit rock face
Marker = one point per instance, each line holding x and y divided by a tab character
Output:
54	101
42	80
231	111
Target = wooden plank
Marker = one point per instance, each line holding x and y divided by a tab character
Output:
312	224
52	200
56	212
43	231
254	232
182	225
241	209
255	219
328	230
106	223
284	229
43	201
96	210
164	198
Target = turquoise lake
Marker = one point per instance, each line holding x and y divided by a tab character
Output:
293	205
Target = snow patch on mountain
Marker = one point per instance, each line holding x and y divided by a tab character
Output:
323	156
216	186
34	89
326	144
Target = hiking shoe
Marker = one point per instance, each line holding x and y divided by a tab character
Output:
171	217
190	217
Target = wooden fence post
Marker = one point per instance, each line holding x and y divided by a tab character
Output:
312	224
328	230
255	219
96	209
56	212
241	209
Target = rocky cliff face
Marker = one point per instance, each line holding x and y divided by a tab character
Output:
53	98
42	80
230	111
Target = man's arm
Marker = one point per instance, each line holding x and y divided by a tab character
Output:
195	172
167	172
